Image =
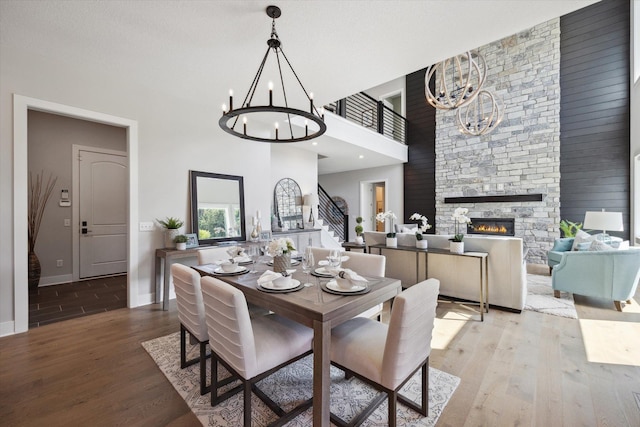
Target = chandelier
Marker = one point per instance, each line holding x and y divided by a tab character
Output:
459	86
238	121
459	80
481	115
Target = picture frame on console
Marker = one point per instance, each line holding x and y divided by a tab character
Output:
192	240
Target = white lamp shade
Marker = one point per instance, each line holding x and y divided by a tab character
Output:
605	221
310	200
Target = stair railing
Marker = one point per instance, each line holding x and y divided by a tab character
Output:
332	215
367	112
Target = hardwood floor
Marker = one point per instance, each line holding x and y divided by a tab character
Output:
526	369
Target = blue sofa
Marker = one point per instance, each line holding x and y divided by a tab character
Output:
611	275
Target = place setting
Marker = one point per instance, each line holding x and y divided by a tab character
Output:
280	283
347	282
330	267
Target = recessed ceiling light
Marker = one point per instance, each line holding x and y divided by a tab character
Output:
314	143
361	156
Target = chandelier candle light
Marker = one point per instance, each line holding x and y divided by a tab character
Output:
314	125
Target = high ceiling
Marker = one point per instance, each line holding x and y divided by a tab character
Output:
198	50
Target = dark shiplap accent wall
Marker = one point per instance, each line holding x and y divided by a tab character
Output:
419	172
594	111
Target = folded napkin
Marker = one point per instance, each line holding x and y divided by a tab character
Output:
236	251
241	258
269	276
348	278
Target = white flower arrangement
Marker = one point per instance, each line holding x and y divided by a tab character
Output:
424	224
383	216
460	217
278	247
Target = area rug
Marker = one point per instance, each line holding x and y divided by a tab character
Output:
291	385
540	298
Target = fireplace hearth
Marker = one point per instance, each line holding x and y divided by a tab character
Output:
492	226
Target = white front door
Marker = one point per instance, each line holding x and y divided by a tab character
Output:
103	213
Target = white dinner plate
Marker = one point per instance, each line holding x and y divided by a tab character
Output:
323	272
333	285
269	285
239	269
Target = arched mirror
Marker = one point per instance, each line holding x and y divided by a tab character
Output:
217	207
287	204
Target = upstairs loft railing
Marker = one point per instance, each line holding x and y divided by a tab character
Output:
366	111
332	215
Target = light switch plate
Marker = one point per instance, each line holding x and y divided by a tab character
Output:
146	226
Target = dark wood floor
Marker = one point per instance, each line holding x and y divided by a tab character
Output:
50	304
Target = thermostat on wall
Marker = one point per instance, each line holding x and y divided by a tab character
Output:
64	198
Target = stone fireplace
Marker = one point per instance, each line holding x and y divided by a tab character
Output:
513	172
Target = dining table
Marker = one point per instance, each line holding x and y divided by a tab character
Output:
314	306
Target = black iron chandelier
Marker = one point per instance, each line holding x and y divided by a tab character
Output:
308	124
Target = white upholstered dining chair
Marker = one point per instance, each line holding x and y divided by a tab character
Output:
251	348
191	315
386	357
361	263
214	255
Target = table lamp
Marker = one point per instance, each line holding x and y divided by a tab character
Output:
605	221
311	200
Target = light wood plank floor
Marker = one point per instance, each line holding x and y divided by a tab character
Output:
526	369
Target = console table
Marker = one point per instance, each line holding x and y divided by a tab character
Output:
164	258
448	267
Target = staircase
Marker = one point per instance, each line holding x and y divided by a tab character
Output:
332	220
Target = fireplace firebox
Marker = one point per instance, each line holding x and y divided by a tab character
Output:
492	226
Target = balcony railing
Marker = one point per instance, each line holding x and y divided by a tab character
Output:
366	111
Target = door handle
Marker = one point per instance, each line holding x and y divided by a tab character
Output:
85	231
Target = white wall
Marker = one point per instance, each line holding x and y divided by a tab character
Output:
175	136
347	186
384	90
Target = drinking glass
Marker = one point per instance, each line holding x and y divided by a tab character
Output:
307	265
335	258
254	253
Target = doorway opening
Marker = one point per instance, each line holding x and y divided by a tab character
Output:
373	200
21	107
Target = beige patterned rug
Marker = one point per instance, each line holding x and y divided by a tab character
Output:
292	384
540	298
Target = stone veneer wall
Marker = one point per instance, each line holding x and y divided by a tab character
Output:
522	155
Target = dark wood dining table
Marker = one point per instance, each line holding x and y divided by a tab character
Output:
317	309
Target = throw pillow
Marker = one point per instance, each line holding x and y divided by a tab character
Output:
598	245
581	237
407	230
584	246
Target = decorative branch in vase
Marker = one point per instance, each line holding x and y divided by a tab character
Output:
39	194
459	217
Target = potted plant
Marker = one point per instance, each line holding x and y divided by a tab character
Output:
181	242
359	230
392	240
422	228
569	229
459	217
172	229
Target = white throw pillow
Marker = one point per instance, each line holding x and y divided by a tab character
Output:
581	237
598	245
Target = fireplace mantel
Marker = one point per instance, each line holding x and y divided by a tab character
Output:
503	198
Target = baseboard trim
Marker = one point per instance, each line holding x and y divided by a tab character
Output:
55	280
